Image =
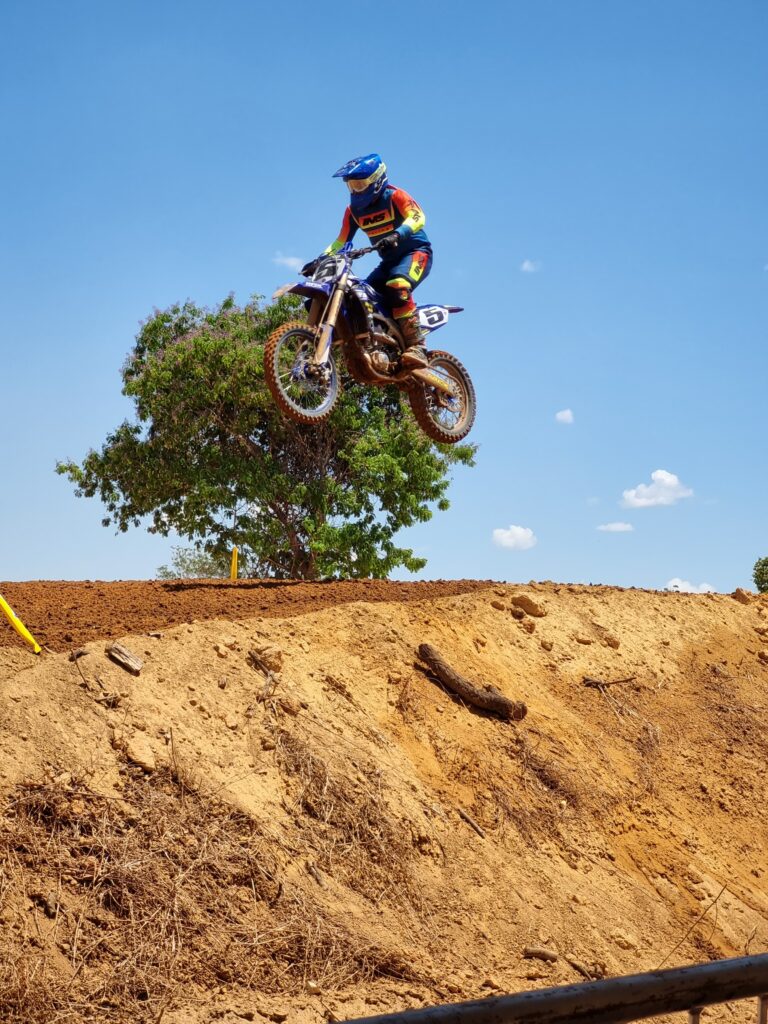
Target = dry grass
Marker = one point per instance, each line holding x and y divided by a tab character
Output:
543	793
551	774
355	836
110	908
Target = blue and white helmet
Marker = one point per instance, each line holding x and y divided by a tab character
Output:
365	177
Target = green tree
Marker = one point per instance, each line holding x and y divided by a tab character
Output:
210	456
194	563
760	575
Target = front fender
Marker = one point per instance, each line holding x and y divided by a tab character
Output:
309	289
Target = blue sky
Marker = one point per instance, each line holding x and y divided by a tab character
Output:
593	175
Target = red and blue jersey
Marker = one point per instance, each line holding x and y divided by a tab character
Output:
394	210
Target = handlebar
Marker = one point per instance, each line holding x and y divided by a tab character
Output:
353	254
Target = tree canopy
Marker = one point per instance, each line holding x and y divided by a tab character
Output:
760	575
210	457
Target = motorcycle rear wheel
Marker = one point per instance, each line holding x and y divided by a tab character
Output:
303	395
445	421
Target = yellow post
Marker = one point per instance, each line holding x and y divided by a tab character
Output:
18	625
233	565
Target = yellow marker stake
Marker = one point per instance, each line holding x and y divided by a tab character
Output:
18	625
233	565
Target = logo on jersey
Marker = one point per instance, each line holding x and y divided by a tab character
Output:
378	222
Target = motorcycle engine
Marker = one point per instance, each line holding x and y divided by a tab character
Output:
380	361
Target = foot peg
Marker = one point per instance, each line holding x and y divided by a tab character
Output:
414	358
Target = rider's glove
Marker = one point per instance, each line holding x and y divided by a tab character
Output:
387	245
309	268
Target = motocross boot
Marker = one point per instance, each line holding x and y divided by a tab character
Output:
415	355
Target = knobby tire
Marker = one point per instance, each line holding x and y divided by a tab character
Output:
271	349
422	401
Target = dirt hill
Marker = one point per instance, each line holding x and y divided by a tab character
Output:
284	816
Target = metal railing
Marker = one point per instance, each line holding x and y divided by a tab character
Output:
612	1001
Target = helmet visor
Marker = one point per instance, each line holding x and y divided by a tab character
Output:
361	184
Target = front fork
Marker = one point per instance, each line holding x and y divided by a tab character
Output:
328	320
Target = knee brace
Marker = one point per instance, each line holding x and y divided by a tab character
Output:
400	298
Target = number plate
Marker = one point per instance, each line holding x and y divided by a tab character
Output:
432	317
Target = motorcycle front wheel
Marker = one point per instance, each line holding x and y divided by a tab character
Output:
442	417
303	391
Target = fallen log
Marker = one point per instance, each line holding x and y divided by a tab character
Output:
125	658
540	953
487	697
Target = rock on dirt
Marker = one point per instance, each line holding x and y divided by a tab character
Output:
269	656
136	748
528	605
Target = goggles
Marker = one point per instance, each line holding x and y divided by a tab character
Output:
361	184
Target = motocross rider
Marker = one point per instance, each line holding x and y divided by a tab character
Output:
394	222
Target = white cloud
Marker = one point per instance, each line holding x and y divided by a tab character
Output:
666	489
530	266
686	587
292	262
516	538
616	527
564	416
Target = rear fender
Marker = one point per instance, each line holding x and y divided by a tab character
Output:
433	317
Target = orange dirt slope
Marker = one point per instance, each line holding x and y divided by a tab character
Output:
265	823
61	613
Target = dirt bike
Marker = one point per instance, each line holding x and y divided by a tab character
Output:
347	314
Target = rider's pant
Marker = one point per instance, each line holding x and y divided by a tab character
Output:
396	281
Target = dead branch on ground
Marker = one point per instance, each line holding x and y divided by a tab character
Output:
487	697
471	822
598	684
